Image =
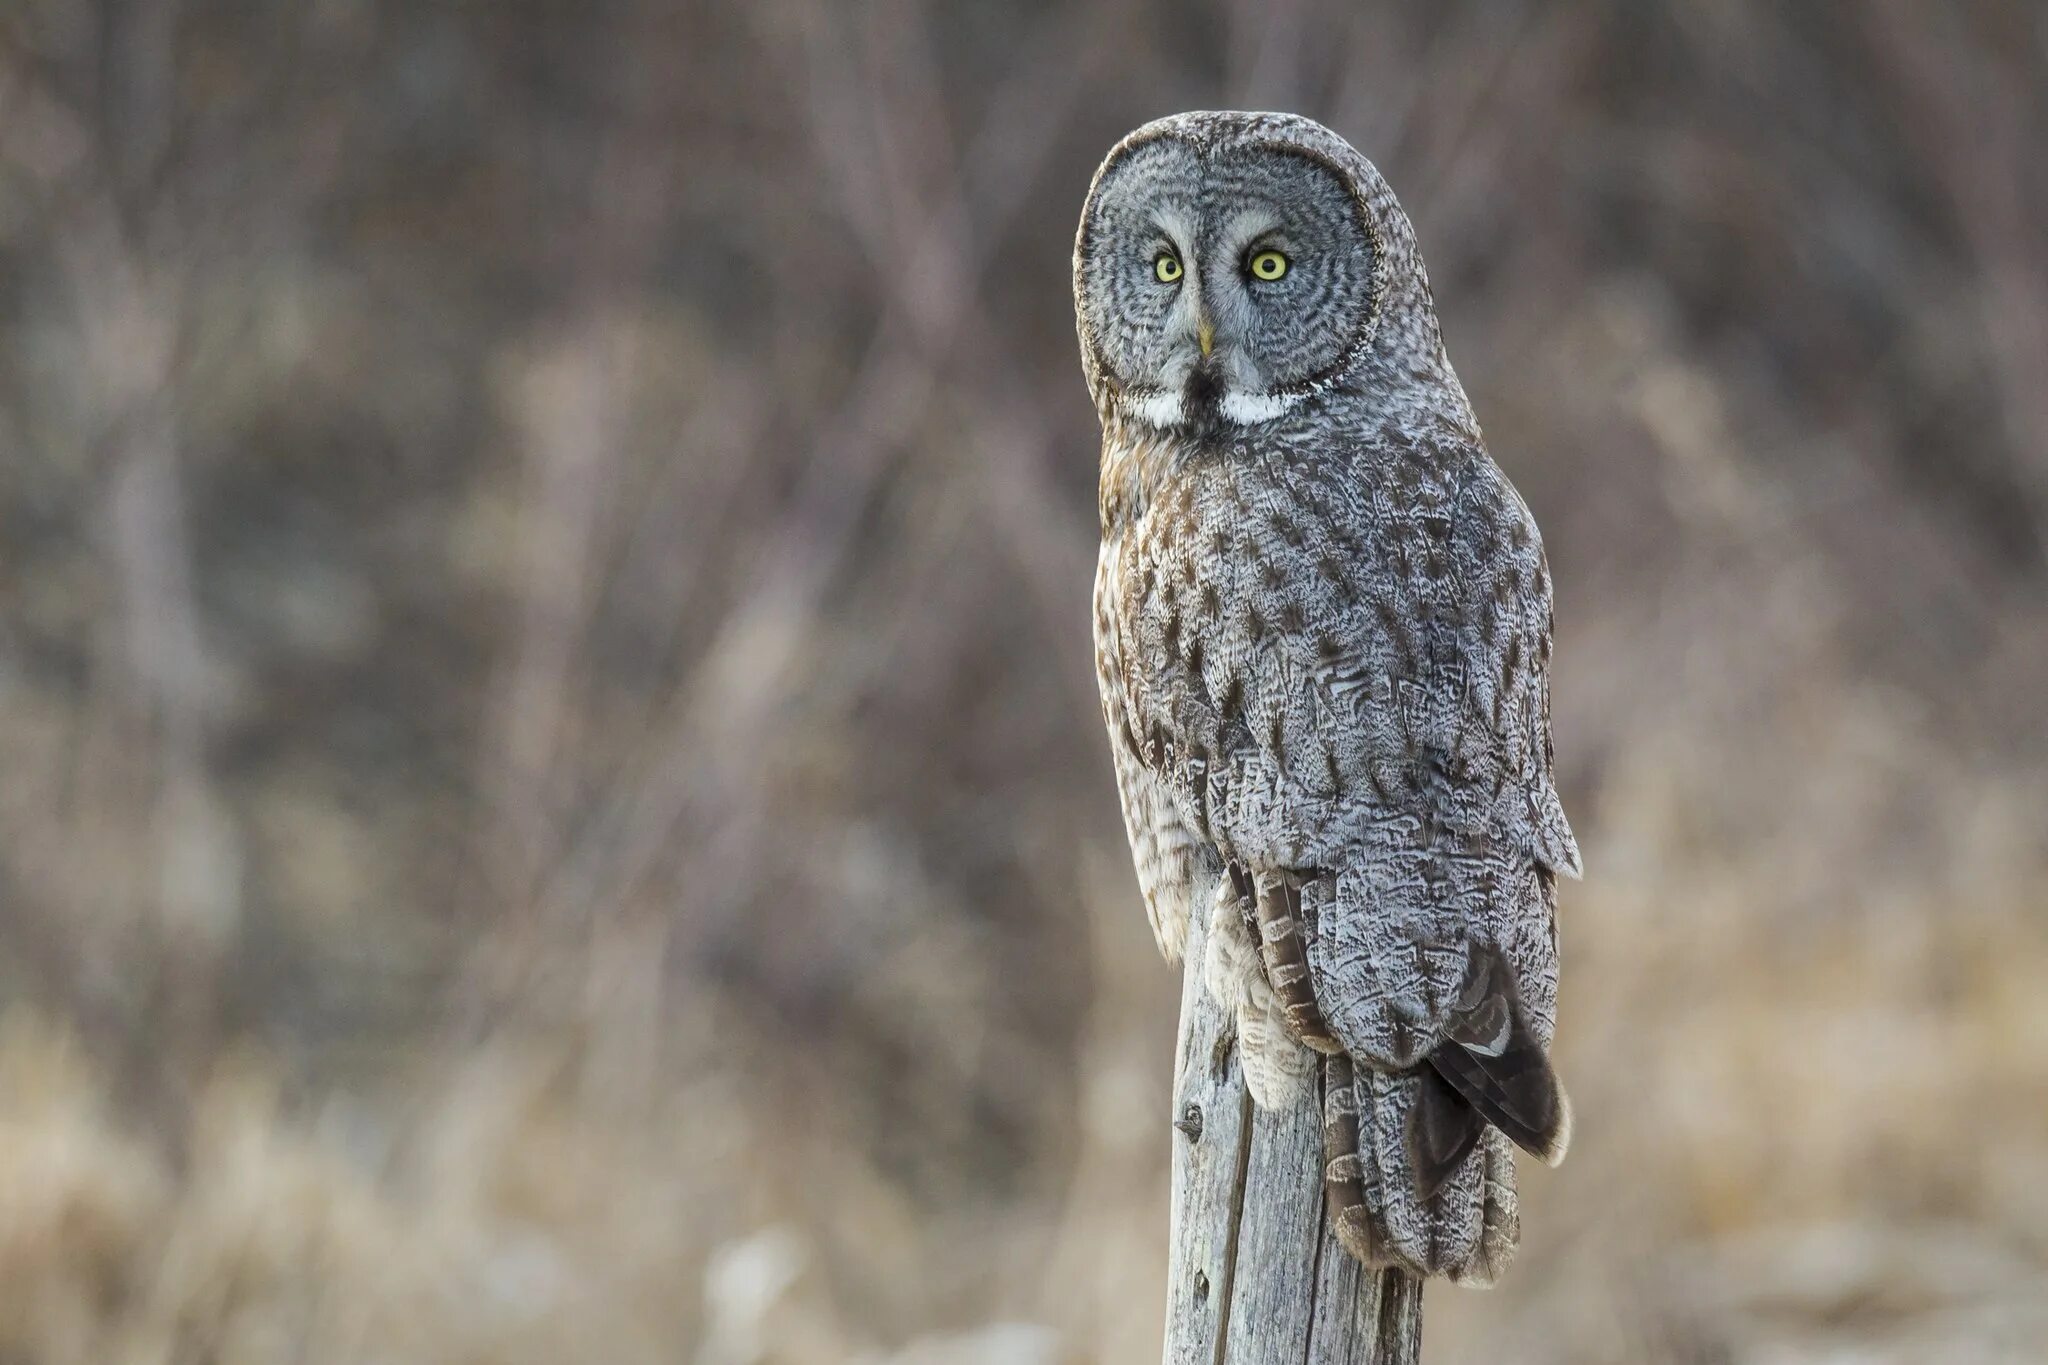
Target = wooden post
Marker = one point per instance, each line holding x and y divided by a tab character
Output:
1256	1278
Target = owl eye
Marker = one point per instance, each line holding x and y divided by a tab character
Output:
1268	265
1165	268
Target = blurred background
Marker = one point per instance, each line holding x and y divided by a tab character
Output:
552	801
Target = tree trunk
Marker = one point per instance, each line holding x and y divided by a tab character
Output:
1256	1277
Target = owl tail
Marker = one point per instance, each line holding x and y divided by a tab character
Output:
1491	1059
1412	1177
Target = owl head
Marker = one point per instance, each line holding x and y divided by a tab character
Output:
1231	266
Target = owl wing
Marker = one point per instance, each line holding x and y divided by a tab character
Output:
1497	733
1486	727
1429	740
1381	766
1434	948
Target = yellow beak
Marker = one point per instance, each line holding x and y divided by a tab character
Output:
1205	332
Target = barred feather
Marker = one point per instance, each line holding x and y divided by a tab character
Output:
1323	626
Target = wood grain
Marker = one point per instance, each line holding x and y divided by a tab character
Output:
1256	1277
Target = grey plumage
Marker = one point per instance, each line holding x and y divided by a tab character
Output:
1322	621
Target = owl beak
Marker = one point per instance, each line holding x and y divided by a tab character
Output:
1205	333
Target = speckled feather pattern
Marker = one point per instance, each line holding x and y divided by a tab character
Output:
1323	645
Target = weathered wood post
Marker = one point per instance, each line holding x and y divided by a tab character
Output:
1256	1278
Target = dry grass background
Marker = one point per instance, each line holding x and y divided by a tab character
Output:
551	803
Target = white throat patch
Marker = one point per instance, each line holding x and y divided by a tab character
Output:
1247	408
1164	408
1160	408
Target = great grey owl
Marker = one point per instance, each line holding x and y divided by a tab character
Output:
1322	631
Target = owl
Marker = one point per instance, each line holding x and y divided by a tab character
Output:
1322	631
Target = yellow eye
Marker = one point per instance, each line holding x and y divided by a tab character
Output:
1166	268
1269	265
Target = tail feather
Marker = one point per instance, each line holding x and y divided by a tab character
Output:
1442	1129
1343	1169
1501	1217
1273	901
1463	1226
1493	1058
1276	1068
